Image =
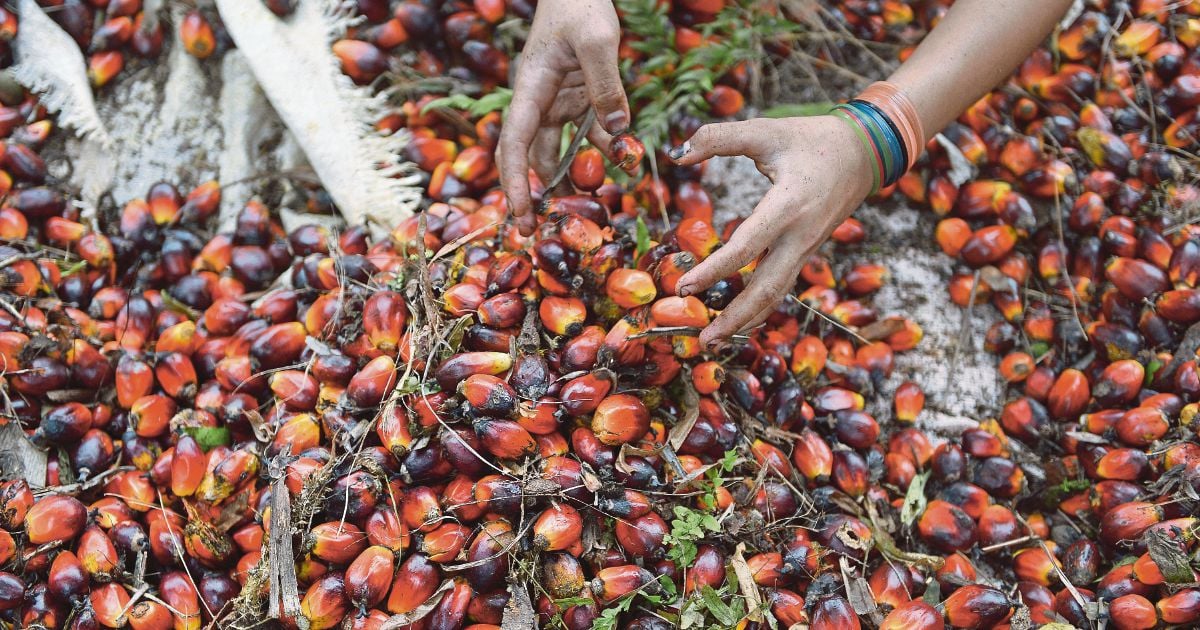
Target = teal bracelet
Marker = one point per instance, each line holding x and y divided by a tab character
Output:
890	137
872	151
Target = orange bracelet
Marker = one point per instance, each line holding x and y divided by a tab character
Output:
900	109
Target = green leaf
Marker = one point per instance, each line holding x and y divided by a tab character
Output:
723	613
798	109
1151	369
914	499
568	602
643	238
210	437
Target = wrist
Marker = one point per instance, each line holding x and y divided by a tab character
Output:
858	160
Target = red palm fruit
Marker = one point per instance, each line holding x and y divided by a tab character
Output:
383	317
197	35
504	439
463	299
562	315
627	152
472	164
707	377
295	389
421	510
150	615
228	474
942	195
177	376
361	61
1181	305
373	383
587	169
64	231
55	518
8	547
707	570
630	288
671	268
385	528
817	271
864	279
103	66
911	615
891	585
1142	426
642	536
67	580
997	525
278	345
369	577
337	542
97	554
679	311
963	286
1135	279
908	400
771	458
1181	608
489	395
946	527
150	415
975	606
849	232
1069	395
696	237
767	569
558	528
462	365
1015	367
808	358
788	607
324	604
724	101
13	224
988	245
812	456
833	612
620	419
580	234
1128	521
611	583
489	550
109	604
1033	564
416	580
502	311
1132	612
693	201
443	543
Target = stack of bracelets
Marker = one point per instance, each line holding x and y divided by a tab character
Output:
886	121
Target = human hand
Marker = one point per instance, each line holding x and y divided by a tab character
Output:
569	64
820	173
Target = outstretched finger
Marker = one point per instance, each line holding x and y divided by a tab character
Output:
775	276
748	241
731	138
532	97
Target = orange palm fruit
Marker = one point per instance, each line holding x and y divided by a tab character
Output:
369	577
385	528
630	288
908	400
55	518
103	66
109	603
587	169
558	528
504	439
976	606
696	237
383	316
337	542
1182	608
443	543
812	456
1069	395
913	614
361	61
1132	612
620	419
613	582
679	311
989	245
68	579
97	554
197	35
627	153
415	581
563	315
946	527
489	395
324	604
707	377
373	383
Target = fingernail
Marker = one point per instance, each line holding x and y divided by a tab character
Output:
616	122
683	291
677	152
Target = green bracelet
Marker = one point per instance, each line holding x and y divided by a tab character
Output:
872	151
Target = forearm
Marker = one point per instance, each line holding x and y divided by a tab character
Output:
974	47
